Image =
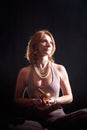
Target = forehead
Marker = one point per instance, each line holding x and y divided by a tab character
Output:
45	36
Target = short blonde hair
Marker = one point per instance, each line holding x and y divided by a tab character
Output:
32	53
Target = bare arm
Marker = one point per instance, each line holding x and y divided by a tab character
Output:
20	86
67	96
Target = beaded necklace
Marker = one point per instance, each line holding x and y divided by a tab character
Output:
43	73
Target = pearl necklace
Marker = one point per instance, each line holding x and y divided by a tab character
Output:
43	74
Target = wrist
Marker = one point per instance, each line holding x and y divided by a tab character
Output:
55	100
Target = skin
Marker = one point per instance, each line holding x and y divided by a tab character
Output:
44	48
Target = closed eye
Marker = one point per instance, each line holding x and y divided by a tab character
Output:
44	40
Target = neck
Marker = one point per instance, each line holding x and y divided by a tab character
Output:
42	68
42	62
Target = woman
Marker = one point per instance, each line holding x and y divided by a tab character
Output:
42	80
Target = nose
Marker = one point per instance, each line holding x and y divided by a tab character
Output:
48	44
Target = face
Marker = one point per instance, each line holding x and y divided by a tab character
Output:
45	46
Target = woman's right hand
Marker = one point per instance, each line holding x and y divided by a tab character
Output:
39	104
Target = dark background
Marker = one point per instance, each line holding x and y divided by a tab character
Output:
67	21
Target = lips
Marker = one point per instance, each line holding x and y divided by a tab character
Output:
48	49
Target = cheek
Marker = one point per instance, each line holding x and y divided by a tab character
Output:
40	48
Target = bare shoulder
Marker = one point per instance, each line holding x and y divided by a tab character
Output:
59	67
25	70
24	73
61	70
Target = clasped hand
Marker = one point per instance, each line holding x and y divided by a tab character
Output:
44	103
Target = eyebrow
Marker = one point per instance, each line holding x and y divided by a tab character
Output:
44	39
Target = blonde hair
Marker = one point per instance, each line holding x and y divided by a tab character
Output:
32	53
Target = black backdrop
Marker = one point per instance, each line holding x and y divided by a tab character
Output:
67	20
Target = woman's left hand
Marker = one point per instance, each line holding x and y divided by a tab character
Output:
49	101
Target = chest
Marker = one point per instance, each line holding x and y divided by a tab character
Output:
49	84
41	82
